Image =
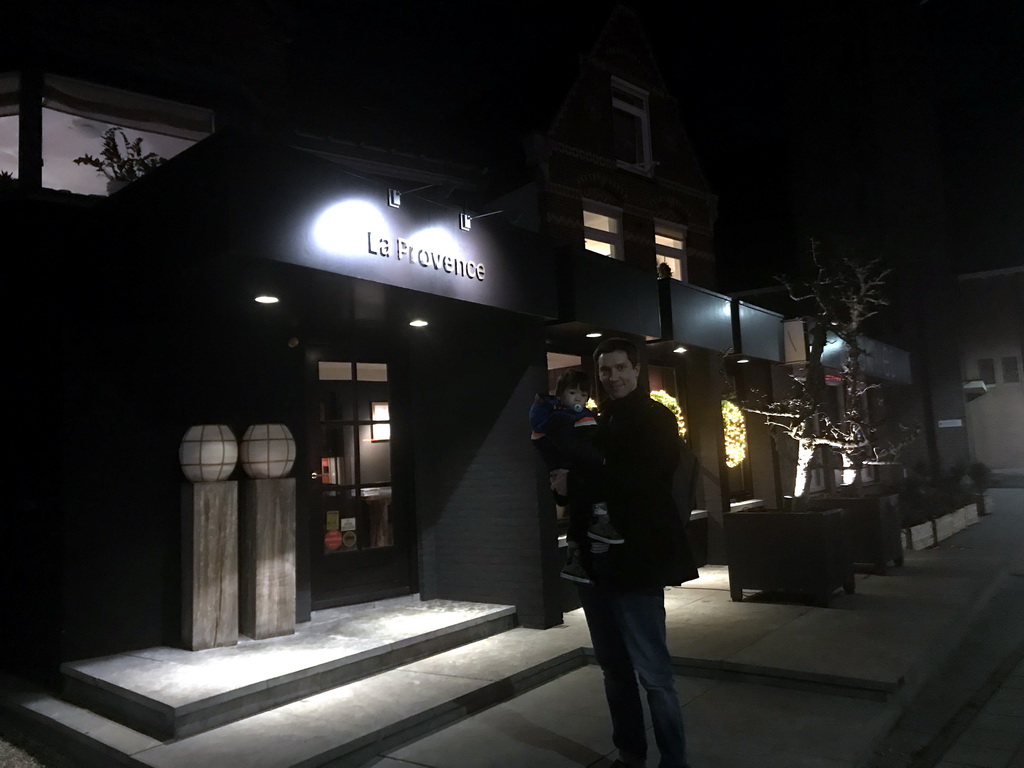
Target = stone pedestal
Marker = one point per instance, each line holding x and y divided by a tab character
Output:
209	515
267	568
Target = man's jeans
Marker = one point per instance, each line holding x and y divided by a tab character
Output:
627	631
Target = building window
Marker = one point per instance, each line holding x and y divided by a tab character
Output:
987	370
1011	371
9	89
76	115
670	249
631	127
602	229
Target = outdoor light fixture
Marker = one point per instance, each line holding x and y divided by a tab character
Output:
679	350
265	299
394	198
742	359
418	323
466	221
594	335
340	230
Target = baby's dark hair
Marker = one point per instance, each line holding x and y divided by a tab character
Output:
576	378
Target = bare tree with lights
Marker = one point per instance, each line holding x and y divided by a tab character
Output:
845	293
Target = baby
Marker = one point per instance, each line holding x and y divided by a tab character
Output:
562	430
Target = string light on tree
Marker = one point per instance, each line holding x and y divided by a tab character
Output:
735	434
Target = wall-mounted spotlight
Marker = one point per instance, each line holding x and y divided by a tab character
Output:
395	196
466	221
418	323
594	335
266	299
679	350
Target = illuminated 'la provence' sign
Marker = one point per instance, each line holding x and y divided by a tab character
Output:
359	229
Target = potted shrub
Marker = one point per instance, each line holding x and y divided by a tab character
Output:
935	509
844	294
121	160
963	502
981	479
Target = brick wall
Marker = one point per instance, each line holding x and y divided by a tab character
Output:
579	163
486	525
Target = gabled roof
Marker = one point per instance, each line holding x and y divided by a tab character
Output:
622	48
458	84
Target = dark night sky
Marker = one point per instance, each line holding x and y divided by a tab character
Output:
723	61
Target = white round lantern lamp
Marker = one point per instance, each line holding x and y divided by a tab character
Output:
208	452
267	451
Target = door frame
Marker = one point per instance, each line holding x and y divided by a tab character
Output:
322	593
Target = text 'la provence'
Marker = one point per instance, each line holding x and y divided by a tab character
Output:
403	249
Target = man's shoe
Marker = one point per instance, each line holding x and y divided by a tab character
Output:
602	530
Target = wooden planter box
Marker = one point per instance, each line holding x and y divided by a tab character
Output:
919	536
931	533
872	526
972	512
788	552
945	526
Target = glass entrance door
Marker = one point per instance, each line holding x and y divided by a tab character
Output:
360	541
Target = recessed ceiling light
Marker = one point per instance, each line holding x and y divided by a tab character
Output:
418	323
264	299
679	350
594	335
742	359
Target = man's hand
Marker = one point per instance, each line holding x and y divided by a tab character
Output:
558	481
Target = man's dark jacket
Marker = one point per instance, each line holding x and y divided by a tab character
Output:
639	440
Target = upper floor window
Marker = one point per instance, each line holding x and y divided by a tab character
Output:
1011	370
602	229
123	131
78	117
8	126
670	248
631	126
987	370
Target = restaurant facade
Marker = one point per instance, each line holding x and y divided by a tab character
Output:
251	286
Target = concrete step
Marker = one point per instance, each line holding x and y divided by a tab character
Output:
170	693
342	727
855	666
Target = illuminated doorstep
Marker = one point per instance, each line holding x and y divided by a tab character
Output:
739	506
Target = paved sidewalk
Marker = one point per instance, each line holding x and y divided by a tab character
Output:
764	684
971	713
994	738
793	710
